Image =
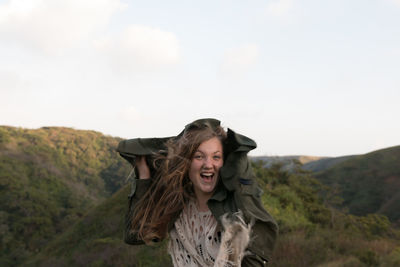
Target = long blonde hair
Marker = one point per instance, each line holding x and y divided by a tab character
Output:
171	187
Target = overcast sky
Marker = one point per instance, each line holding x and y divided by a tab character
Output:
306	77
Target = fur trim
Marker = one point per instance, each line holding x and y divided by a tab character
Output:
235	240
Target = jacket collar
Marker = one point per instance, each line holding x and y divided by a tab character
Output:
220	193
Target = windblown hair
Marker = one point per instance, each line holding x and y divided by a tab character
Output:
171	187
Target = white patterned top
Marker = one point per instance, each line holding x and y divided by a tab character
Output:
195	238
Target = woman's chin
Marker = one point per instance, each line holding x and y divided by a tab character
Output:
207	189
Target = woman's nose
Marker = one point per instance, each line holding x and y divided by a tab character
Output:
208	162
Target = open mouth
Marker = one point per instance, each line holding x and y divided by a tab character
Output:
207	177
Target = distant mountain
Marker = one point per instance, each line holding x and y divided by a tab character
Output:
368	183
49	178
288	162
324	163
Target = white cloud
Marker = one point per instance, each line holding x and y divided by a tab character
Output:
279	8
239	60
141	48
53	25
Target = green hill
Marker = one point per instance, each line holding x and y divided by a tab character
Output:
49	178
312	233
62	205
97	240
368	183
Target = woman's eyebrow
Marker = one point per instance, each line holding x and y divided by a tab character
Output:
215	152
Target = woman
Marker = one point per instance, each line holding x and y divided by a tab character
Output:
198	188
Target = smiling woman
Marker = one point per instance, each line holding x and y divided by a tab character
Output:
198	189
204	170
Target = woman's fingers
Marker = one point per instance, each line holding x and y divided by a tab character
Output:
142	167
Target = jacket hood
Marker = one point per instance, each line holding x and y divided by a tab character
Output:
234	142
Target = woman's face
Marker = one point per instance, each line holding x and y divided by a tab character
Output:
205	165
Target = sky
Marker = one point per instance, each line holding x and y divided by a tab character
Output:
300	77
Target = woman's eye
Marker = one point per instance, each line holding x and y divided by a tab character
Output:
217	157
198	156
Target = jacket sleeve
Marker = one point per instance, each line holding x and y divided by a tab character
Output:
138	188
238	176
129	149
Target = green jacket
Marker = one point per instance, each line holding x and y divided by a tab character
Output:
237	190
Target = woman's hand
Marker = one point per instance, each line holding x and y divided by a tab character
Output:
143	169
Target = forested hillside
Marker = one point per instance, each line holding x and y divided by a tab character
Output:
62	205
49	178
312	232
368	183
